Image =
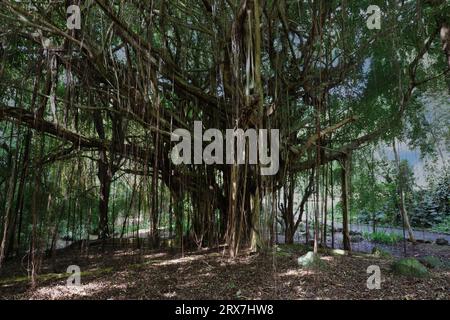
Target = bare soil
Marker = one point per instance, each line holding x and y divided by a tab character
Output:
210	274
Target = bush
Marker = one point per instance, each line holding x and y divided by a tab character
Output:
409	267
432	207
382	237
431	262
426	213
443	227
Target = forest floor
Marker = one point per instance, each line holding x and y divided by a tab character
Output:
209	274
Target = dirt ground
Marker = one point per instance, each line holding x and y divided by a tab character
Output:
209	274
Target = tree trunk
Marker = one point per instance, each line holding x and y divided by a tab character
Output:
401	194
178	213
104	176
345	202
233	227
8	209
256	212
21	189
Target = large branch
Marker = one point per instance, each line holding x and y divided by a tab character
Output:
171	176
311	140
29	119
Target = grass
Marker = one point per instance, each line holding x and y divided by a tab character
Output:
287	250
443	227
382	237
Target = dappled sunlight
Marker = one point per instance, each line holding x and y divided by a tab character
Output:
208	276
155	255
180	260
170	295
64	292
297	273
327	258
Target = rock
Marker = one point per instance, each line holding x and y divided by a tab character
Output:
409	267
431	262
441	242
309	260
421	241
356	238
380	253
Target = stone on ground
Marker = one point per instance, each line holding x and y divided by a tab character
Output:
309	260
356	238
441	242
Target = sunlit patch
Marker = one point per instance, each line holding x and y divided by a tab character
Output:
327	258
63	292
179	260
206	275
123	253
296	273
291	272
170	294
155	255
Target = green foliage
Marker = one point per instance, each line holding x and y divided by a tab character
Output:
375	195
426	213
432	209
190	48
380	253
288	250
444	226
382	237
432	262
409	267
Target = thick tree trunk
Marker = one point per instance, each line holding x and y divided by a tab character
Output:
256	212
233	225
288	211
105	177
289	235
345	172
8	209
21	190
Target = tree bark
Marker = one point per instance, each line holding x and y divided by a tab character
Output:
8	209
345	202
104	176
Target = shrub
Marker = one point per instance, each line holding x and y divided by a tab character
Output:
431	262
443	227
382	237
409	267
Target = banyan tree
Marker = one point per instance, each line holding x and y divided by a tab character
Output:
95	106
